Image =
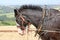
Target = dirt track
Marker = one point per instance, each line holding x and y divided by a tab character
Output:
13	35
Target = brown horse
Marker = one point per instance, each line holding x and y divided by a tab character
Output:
31	14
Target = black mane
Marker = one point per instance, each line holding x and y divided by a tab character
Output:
32	7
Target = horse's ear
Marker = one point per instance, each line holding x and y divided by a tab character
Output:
15	11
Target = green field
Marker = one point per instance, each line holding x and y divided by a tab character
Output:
7	16
7	19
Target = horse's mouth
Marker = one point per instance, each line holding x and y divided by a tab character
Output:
22	28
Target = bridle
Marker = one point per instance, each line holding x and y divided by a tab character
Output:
22	18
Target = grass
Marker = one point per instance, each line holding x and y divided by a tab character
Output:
7	23
7	19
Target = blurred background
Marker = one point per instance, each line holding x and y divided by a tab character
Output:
7	15
7	8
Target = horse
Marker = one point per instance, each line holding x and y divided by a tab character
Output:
32	14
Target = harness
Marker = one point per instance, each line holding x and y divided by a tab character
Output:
40	26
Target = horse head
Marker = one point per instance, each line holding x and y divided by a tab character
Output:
28	14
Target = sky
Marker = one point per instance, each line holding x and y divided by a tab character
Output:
33	2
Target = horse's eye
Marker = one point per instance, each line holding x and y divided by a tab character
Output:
24	16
